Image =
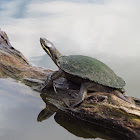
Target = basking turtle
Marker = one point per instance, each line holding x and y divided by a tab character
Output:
92	74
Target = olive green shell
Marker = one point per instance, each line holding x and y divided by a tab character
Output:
91	69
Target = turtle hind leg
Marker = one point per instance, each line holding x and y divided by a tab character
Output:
85	87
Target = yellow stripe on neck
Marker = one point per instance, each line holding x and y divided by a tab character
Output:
47	50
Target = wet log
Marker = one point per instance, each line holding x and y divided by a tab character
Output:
104	109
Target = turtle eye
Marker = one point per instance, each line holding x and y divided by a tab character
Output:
48	44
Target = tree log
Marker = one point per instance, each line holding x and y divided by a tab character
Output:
103	109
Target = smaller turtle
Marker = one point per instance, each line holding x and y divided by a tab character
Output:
90	73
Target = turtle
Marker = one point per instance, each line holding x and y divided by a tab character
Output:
91	74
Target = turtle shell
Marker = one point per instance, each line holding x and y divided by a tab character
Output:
91	69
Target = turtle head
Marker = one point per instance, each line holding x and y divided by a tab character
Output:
50	49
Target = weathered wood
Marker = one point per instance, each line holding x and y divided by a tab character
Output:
13	63
104	109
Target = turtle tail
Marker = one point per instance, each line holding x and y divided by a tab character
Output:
121	96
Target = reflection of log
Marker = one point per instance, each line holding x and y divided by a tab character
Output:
80	127
102	108
85	129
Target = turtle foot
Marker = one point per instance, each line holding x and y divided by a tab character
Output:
72	103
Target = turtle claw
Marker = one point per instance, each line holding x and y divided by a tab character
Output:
67	103
75	104
71	103
54	88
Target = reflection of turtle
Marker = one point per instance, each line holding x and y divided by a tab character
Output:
45	114
92	74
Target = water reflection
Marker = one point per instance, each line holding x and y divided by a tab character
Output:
46	113
20	107
79	127
64	116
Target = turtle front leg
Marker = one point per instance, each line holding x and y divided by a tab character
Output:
52	76
81	95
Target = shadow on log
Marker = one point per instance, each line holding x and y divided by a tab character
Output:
110	114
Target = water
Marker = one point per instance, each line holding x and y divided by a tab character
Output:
23	117
19	108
